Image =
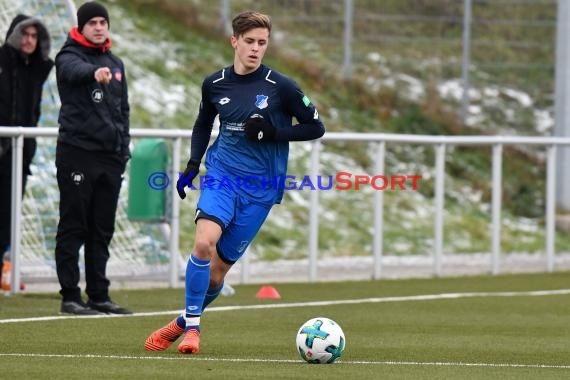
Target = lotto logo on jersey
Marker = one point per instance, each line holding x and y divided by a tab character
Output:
261	101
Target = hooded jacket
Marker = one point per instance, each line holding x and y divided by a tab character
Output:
22	78
93	116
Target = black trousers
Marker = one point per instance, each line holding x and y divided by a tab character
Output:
6	192
89	185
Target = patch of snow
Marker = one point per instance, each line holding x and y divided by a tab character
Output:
451	89
172	65
523	98
389	82
474	120
415	88
543	120
376	57
491	92
475	109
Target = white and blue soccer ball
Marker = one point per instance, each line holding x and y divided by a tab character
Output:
320	341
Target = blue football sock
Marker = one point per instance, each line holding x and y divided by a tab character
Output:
180	321
211	295
197	282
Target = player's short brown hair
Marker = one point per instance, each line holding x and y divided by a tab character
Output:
245	21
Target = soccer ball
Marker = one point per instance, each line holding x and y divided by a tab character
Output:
320	341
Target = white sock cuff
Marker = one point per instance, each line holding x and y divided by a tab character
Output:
192	321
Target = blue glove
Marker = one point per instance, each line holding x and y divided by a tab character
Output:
186	178
258	129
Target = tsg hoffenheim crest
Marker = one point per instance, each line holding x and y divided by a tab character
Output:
261	101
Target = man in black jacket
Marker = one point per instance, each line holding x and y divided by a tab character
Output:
24	67
91	155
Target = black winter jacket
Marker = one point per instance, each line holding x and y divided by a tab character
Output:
21	82
93	116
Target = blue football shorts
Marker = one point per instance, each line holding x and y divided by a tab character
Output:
239	218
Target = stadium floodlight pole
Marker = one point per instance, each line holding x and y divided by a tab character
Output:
466	61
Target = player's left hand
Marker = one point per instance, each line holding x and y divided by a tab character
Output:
258	129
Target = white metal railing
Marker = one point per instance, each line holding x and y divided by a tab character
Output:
440	144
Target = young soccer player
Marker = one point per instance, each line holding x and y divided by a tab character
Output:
256	106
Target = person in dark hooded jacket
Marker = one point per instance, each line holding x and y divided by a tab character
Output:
24	67
91	154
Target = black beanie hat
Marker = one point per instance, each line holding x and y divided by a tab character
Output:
89	10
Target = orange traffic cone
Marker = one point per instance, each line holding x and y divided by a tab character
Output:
7	277
267	291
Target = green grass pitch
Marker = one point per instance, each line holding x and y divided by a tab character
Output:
450	328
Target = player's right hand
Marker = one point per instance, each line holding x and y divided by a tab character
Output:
186	178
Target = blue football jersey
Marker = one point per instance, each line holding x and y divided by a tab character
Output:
254	169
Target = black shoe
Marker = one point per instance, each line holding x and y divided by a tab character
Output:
77	308
108	307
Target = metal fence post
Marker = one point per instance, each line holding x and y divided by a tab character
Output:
496	204
175	215
439	205
379	213
314	213
551	152
16	218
